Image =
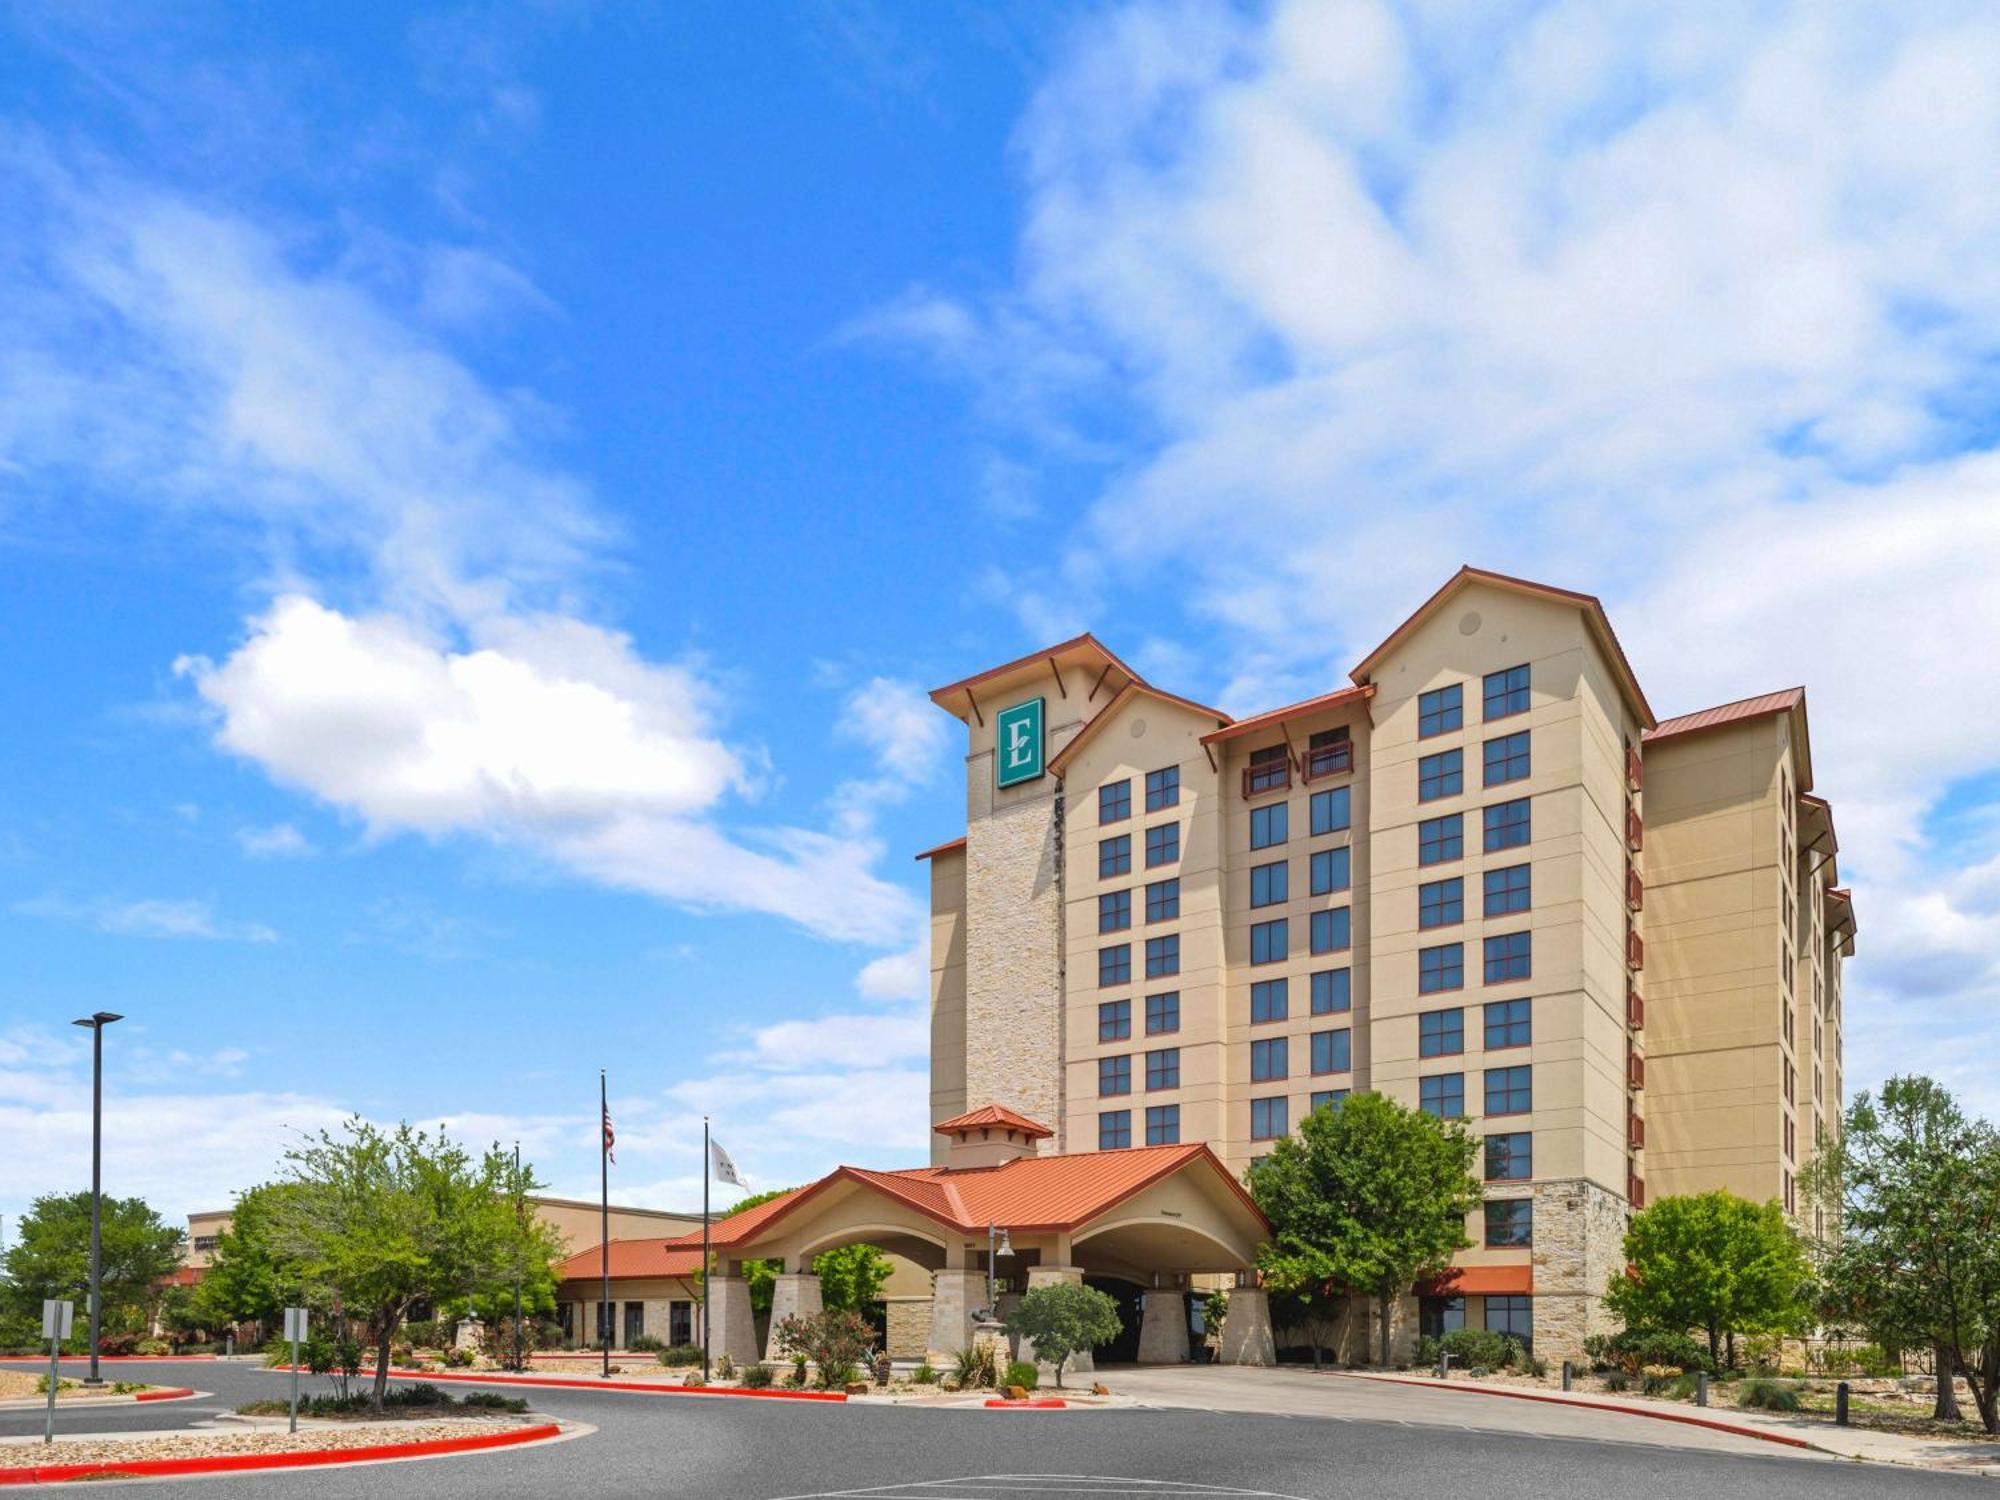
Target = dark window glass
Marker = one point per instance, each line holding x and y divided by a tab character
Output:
1163	1013
1510	1091
1332	870
1506	692
1328	1099
1507	758
1333	1051
1508	1024
1332	992
1329	752
1163	844
1114	801
1331	810
1510	1157
1509	956
1268	1060
1515	1315
1510	1223
1440	903
1441	1033
1163	1069
1507	891
1114	856
1268	824
1163	900
1114	1020
1268	1001
1268	942
1440	775
1268	884
1163	788
1114	1130
1440	840
1114	1075
1443	1095
1333	931
1114	911
1163	1125
1267	1119
1437	1316
1163	956
1441	710
1441	968
1507	825
1114	964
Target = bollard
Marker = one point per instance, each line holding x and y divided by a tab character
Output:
1840	1404
1569	1373
1701	1387
1444	1365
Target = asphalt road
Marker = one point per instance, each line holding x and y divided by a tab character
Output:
721	1448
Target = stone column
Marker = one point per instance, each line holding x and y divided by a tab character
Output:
1163	1330
955	1292
1246	1328
1078	1364
732	1328
794	1293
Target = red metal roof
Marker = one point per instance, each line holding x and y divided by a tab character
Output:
945	848
996	1116
1729	713
630	1258
1271	717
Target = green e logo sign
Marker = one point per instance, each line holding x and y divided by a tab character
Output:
1017	735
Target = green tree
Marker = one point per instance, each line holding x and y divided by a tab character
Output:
249	1282
1713	1262
752	1201
1313	1310
1370	1196
851	1276
1065	1318
50	1257
385	1219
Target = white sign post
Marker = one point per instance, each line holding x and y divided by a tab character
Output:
57	1320
295	1331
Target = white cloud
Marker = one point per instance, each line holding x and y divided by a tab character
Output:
150	917
278	841
897	976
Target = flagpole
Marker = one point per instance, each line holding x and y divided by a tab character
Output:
604	1220
706	1267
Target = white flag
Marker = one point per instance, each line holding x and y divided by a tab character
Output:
725	1169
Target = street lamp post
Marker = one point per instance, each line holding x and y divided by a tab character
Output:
1005	1248
96	1023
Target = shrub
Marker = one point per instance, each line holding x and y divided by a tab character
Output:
458	1359
1768	1395
924	1374
1636	1348
1537	1366
496	1339
1617	1380
1684	1384
1065	1318
1481	1348
645	1343
676	1355
725	1368
1023	1374
1427	1351
424	1334
493	1401
756	1377
423	1393
975	1367
837	1339
152	1346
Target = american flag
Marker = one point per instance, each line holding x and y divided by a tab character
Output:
610	1137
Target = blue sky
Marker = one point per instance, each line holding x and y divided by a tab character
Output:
481	497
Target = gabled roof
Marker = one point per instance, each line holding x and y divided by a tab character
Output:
993	1117
1125	695
1593	613
660	1257
1081	651
1271	718
1785	701
947	847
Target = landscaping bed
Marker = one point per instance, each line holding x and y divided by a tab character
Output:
405	1403
16	1385
136	1448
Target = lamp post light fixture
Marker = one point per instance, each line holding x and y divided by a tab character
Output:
1004	1248
96	1023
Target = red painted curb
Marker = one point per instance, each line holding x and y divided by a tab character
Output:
565	1382
1038	1403
1631	1411
166	1393
228	1463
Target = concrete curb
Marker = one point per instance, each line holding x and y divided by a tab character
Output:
1712	1423
230	1463
92	1403
1033	1403
572	1383
166	1393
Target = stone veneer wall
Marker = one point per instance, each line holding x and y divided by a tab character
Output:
1579	1246
909	1326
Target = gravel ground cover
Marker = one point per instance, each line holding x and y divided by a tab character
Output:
16	1453
16	1385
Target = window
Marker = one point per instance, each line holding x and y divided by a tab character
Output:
1114	1020
1331	810
1441	1033
1510	1157
1441	839
1114	964
1267	824
1332	992
1269	769
1437	1316
1267	1118
1443	1095
1163	956
1440	968
1441	903
1269	1060
1507	891
1268	942
1332	870
680	1323
1510	1091
1163	789
1440	711
1507	758
1332	1051
1333	931
1506	692
1269	885
1510	1223
1114	1130
1515	1315
1163	1125
1508	1024
1507	824
1509	957
1328	1098
1114	911
1268	1001
1328	753
1163	1013
1440	775
1114	856
1114	801
1114	1075
1163	900
1163	1069
1163	844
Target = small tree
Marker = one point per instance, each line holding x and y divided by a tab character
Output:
50	1257
1313	1310
1714	1262
1372	1196
851	1276
837	1339
249	1281
1065	1318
